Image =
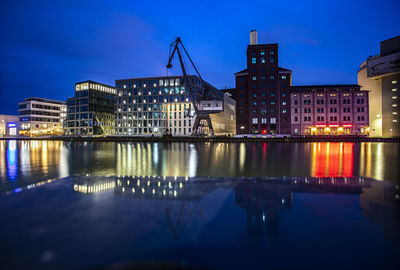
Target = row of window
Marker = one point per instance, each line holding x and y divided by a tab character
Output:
332	110
331	101
331	118
262	60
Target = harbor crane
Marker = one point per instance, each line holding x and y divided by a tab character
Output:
206	99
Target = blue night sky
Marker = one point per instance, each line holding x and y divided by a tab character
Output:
48	46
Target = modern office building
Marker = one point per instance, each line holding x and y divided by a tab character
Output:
8	125
381	76
161	105
329	110
40	117
263	97
91	111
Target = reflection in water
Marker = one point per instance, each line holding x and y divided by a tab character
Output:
262	198
238	222
27	162
11	160
332	159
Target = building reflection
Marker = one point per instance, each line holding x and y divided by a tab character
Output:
332	159
380	203
156	159
262	198
263	201
23	159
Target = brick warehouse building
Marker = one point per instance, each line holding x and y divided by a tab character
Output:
329	110
263	97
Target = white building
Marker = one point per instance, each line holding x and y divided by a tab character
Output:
39	116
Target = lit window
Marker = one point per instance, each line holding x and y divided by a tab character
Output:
394	89
394	82
262	52
394	105
283	77
254	120
254	78
262	60
253	60
394	97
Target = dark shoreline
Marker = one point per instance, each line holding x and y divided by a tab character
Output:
355	139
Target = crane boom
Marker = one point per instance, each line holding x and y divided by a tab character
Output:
201	113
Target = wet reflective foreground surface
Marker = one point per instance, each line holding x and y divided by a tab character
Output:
85	205
26	162
98	222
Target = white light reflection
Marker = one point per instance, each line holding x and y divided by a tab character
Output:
192	160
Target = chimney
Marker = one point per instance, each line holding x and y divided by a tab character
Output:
253	37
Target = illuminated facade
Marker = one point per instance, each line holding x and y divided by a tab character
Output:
263	100
40	117
329	110
381	76
91	111
160	105
8	125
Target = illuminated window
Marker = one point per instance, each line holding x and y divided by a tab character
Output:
253	60
254	121
394	97
283	77
394	82
394	89
254	78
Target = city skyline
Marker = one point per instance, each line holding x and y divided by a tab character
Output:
106	42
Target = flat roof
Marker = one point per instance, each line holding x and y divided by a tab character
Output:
90	81
44	100
326	86
156	78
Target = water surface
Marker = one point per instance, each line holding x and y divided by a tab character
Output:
26	162
214	223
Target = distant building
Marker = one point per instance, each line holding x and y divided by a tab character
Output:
8	125
263	97
329	110
91	111
381	75
40	116
160	105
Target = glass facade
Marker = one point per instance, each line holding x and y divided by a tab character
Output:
91	111
159	105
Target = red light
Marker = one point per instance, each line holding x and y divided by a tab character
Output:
320	125
264	132
334	125
348	125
